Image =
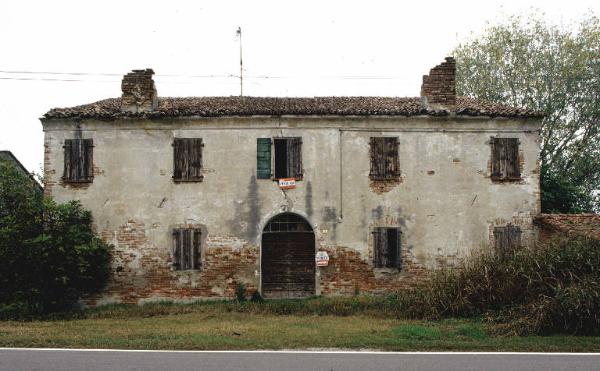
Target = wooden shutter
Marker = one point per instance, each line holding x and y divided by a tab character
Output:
79	160
88	160
384	158
392	167
186	248
505	159
177	246
195	163
513	170
196	249
187	159
263	158
294	158
387	248
178	158
376	158
69	165
380	244
507	240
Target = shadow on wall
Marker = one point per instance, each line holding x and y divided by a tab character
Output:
308	201
246	219
329	216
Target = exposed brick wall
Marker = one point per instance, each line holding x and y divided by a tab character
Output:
384	186
551	226
349	272
49	172
143	271
439	87
139	92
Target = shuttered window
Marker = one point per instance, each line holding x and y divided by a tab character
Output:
505	159
186	248
387	248
263	158
385	164
79	161
288	158
507	240
187	159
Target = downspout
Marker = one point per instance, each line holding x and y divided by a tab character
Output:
341	217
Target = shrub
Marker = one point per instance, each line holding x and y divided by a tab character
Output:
256	297
240	292
49	254
553	287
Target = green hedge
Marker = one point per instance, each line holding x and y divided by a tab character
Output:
49	253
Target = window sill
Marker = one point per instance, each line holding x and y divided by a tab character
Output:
506	180
390	179
186	270
194	180
277	179
387	270
70	181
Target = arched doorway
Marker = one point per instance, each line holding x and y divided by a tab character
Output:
288	258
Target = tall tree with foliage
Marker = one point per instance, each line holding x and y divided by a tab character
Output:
528	62
49	253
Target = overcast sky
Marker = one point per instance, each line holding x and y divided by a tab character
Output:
299	48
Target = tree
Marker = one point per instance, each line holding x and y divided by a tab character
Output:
527	62
49	253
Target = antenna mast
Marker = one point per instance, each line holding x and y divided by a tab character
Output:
239	33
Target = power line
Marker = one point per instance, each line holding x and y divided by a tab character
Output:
266	77
59	73
51	79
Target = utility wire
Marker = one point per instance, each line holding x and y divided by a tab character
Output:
51	79
344	77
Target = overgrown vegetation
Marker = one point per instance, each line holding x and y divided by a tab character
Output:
548	289
49	254
526	61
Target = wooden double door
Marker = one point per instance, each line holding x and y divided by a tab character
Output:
288	264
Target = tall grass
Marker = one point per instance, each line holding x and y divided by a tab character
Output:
553	287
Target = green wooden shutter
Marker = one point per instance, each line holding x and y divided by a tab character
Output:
263	158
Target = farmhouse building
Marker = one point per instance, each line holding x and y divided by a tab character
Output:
200	194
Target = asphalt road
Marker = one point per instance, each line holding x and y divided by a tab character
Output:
61	359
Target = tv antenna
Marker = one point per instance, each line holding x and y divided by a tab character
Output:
239	34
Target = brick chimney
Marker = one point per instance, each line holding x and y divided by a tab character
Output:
439	87
139	92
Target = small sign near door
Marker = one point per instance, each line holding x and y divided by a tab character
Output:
287	183
322	259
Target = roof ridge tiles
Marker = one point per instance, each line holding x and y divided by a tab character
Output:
212	106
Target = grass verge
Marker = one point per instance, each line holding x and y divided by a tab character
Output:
230	325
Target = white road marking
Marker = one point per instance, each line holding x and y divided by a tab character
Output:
303	352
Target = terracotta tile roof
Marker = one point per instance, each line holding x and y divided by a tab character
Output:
108	109
587	225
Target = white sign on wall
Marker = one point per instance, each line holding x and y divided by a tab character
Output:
287	183
322	259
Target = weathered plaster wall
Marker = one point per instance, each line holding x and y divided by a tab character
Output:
445	204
